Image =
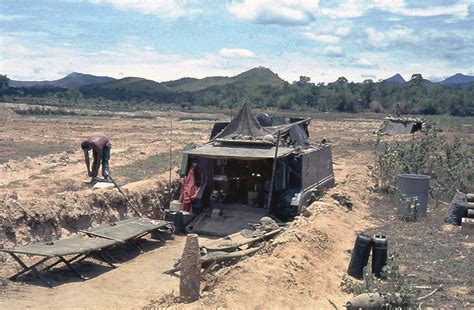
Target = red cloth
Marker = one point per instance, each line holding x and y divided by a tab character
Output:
188	191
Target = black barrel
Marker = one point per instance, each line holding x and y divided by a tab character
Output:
177	219
379	254
360	256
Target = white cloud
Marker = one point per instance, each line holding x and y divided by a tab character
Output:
347	9
334	51
364	63
163	8
21	58
396	34
236	53
354	8
282	12
326	38
400	7
11	18
343	31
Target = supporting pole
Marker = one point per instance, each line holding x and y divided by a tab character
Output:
190	277
270	194
171	160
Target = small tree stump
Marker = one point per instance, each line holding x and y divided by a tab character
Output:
190	277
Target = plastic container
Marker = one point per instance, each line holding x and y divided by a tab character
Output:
379	254
175	206
360	256
415	185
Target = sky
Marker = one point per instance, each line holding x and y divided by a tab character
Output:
168	39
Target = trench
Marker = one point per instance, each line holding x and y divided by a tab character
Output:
35	221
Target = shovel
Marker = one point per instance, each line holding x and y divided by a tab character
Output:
124	195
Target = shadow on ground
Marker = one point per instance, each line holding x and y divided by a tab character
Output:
91	267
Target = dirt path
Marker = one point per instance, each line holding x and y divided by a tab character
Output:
301	268
128	286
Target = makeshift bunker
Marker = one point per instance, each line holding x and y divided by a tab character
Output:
251	168
400	126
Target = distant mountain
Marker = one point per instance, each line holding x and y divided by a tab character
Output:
73	80
129	86
417	79
458	79
191	84
254	77
397	78
259	76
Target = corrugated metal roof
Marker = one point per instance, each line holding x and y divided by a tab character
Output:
245	152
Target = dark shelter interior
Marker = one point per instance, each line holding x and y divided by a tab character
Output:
258	164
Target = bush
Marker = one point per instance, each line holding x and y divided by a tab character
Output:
450	164
394	288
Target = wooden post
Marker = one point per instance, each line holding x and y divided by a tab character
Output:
272	181
190	277
171	157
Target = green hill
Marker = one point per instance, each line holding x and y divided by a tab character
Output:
254	77
259	77
128	88
133	84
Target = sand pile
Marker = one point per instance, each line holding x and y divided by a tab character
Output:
7	114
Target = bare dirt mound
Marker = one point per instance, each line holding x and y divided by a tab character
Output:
7	114
24	221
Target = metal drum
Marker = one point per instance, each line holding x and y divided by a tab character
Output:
360	256
379	254
415	185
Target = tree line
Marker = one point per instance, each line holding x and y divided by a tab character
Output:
417	96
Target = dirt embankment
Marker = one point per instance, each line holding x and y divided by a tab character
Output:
302	267
64	214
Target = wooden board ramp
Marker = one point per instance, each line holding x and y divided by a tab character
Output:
237	240
229	249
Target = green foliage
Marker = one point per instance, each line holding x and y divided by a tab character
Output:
450	164
394	287
265	89
4	81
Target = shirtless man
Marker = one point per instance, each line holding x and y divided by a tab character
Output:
100	147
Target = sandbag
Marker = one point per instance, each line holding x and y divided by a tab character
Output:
457	209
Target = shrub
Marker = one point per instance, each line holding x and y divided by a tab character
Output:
450	164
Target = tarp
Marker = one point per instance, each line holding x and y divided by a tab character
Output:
237	151
243	125
245	128
399	126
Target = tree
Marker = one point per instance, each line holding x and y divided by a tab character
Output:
4	82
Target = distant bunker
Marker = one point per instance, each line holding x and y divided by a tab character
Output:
392	126
252	167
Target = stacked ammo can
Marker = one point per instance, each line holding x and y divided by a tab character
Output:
467	223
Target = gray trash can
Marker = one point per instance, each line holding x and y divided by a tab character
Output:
418	185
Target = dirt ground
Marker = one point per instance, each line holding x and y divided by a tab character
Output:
301	268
